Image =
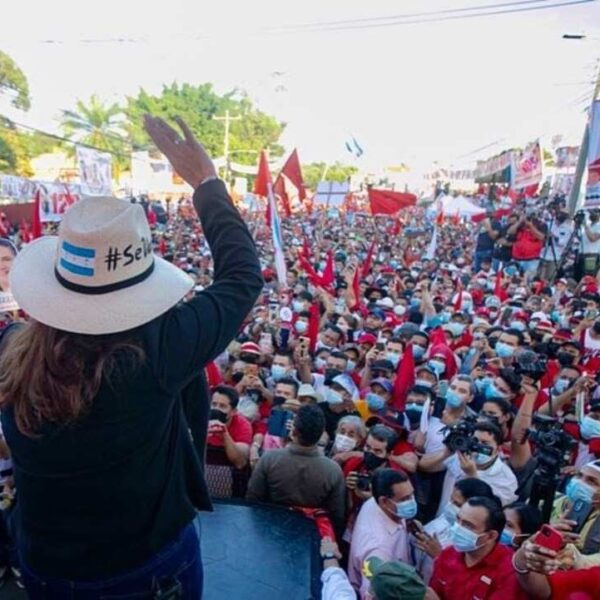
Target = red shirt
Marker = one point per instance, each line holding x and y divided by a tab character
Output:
239	429
580	584
493	578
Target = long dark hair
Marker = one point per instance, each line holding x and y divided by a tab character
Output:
52	376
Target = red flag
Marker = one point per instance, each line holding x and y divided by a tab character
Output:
439	220
312	275
456	218
151	216
162	246
328	276
313	325
36	223
293	173
437	337
386	202
356	289
498	290
261	184
405	378
368	260
397	227
501	212
306	249
458	302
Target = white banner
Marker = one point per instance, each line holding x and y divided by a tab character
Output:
527	166
95	172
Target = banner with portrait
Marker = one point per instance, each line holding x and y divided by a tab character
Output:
8	252
95	172
527	166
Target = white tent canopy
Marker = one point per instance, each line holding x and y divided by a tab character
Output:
460	204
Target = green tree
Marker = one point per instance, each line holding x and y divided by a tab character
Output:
198	105
313	173
13	80
100	125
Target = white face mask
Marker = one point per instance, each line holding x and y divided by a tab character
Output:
344	443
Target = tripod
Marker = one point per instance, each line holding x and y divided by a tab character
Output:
543	490
575	236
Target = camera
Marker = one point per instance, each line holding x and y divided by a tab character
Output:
532	365
579	218
461	438
363	483
552	443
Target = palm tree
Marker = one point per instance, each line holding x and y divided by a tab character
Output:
99	125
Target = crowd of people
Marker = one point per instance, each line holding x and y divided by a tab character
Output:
438	418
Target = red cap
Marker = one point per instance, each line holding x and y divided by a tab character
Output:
250	348
367	338
522	315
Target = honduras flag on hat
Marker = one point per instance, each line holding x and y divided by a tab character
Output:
354	147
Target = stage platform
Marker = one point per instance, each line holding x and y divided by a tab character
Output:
251	553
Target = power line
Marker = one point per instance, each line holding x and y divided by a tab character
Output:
481	12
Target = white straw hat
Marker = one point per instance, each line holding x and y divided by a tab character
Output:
100	274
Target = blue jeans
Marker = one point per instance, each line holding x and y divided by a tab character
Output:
177	567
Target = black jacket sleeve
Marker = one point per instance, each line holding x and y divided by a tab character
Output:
195	332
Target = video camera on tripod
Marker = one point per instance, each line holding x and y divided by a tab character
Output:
552	448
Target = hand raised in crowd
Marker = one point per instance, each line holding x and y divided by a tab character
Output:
428	544
467	464
188	157
565	526
537	558
352	480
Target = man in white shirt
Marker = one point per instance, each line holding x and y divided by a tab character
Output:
556	243
487	467
380	528
587	263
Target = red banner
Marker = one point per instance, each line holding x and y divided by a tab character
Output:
385	202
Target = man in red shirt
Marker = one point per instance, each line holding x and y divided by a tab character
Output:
476	565
227	429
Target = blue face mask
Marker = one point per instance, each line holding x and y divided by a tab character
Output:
406	509
450	512
350	366
301	326
518	325
507	538
415	302
456	328
445	316
481	459
589	428
510	271
463	539
504	350
297	306
418	352
332	397
278	372
437	367
561	385
435	321
555	316
482	384
375	402
453	399
491	392
424	383
393	357
578	490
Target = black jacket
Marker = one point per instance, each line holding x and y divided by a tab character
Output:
102	496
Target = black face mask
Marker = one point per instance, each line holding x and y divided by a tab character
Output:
330	375
414	416
492	342
237	377
371	462
565	359
596	327
217	415
541	348
552	348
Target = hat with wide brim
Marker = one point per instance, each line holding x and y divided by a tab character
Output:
39	293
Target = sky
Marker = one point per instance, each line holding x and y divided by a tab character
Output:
452	91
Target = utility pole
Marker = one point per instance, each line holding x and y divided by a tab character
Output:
227	118
583	149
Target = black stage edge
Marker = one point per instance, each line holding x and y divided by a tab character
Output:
251	553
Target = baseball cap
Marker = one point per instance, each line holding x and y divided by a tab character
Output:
367	338
393	579
386	384
385	303
382	365
378	313
345	382
250	348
